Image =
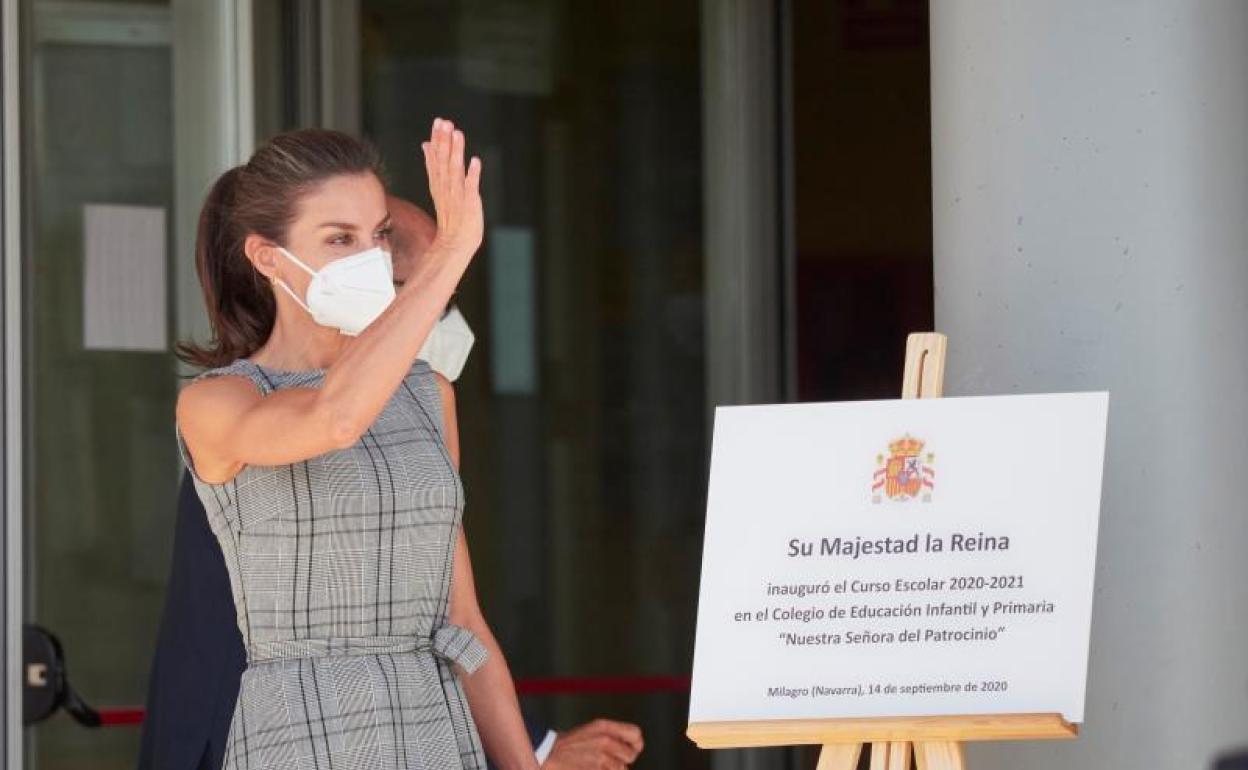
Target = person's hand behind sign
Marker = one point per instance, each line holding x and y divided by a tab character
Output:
602	744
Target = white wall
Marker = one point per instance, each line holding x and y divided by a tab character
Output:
1090	173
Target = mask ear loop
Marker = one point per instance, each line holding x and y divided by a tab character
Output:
289	290
296	260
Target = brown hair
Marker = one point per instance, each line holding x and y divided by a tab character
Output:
260	197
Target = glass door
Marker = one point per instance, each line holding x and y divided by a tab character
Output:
583	407
128	109
99	378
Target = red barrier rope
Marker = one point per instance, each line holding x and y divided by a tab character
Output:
598	685
551	685
122	715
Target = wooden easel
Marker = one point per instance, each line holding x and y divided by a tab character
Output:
936	742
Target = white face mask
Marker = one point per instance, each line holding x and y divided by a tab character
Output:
448	345
349	293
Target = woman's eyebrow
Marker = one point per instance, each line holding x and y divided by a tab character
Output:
349	226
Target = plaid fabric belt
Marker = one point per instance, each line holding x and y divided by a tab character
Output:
452	643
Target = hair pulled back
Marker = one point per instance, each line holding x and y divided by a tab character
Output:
261	197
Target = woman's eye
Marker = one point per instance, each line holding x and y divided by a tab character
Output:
384	235
342	239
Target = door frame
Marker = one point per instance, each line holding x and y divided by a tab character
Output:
11	50
747	227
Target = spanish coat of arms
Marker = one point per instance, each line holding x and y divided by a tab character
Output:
905	474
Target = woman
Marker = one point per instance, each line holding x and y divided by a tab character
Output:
316	440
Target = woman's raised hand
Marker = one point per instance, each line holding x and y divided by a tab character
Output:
456	189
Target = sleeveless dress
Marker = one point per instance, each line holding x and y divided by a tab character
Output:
340	567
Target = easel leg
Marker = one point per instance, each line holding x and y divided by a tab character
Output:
939	756
893	755
839	756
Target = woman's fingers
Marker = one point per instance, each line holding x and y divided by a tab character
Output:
435	135
473	182
435	181
449	159
457	155
454	178
454	185
442	145
425	150
439	152
445	153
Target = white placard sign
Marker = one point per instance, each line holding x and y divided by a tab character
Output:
899	558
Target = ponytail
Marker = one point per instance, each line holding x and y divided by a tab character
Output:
241	310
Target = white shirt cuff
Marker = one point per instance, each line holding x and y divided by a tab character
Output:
545	747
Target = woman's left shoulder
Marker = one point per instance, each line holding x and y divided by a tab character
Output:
427	383
443	388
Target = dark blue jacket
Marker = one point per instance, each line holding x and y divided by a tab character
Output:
199	653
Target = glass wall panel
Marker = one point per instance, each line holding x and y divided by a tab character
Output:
582	408
100	385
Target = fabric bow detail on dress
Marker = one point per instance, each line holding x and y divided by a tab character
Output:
460	646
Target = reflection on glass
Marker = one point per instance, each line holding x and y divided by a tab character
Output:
582	408
99	380
862	193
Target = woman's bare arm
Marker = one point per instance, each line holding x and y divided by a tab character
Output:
491	692
227	424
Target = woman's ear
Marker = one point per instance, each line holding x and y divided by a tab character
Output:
262	254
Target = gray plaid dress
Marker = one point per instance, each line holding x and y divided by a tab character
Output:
340	566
